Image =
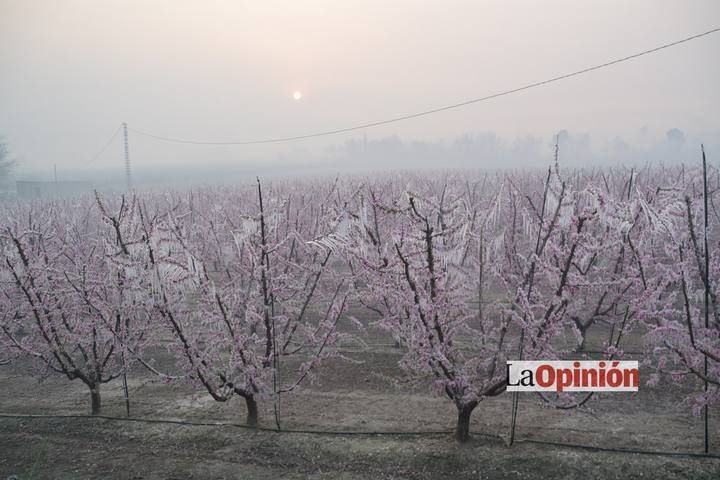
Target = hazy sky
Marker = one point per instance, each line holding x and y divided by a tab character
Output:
72	71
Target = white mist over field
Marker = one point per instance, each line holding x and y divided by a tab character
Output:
239	70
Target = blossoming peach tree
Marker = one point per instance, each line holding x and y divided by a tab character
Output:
239	289
65	304
684	340
407	252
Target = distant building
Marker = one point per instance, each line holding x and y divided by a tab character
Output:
7	190
29	190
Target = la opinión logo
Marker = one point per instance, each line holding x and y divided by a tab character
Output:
572	376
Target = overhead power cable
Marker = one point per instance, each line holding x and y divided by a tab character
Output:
434	110
109	142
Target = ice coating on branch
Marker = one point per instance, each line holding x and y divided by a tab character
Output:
463	271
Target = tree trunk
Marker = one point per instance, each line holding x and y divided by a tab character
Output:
252	411
581	347
95	399
462	432
582	328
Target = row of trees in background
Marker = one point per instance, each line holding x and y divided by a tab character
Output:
470	149
7	165
464	271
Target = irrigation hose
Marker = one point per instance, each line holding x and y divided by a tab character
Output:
364	433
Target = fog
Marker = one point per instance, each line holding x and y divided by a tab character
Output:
73	71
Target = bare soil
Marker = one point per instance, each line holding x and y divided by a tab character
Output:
348	397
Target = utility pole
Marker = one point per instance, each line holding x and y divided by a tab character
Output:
57	191
128	182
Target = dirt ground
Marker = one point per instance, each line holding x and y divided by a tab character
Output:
348	397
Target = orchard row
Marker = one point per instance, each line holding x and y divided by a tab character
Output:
463	270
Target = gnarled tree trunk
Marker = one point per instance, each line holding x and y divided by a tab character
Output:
252	411
95	399
462	431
